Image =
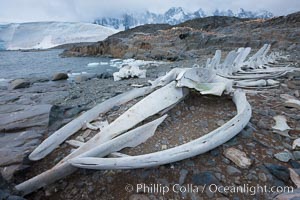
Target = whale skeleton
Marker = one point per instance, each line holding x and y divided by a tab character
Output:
215	78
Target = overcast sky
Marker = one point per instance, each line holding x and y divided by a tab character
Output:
87	10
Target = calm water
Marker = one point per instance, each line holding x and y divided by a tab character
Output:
18	64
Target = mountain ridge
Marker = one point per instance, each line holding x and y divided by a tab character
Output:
173	16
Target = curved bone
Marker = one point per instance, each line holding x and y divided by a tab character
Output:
195	147
58	137
293	103
129	139
255	76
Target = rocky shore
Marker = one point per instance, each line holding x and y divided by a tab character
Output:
195	38
32	109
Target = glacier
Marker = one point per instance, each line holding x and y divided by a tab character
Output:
43	35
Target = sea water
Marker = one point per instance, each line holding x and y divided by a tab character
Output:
43	64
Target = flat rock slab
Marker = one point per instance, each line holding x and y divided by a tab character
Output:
14	148
19	117
238	157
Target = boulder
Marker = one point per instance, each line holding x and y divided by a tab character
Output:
81	78
19	83
60	76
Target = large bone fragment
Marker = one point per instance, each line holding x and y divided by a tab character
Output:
129	139
129	72
203	80
58	137
190	149
281	127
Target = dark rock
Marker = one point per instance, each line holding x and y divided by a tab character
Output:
183	173
3	194
60	76
19	83
60	115
232	170
203	178
279	171
284	156
294	164
296	155
215	152
261	124
105	75
13	197
246	132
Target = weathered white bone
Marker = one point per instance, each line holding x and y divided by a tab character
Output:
257	83
239	61
292	103
169	77
281	124
195	147
216	60
117	155
90	126
129	72
269	70
287	97
75	143
271	82
296	143
203	80
63	169
255	76
58	137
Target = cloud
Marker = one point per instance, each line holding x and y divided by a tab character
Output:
87	10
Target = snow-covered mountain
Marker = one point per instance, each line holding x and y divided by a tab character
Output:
174	15
41	35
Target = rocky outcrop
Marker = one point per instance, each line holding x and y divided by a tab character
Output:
192	38
20	117
21	128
